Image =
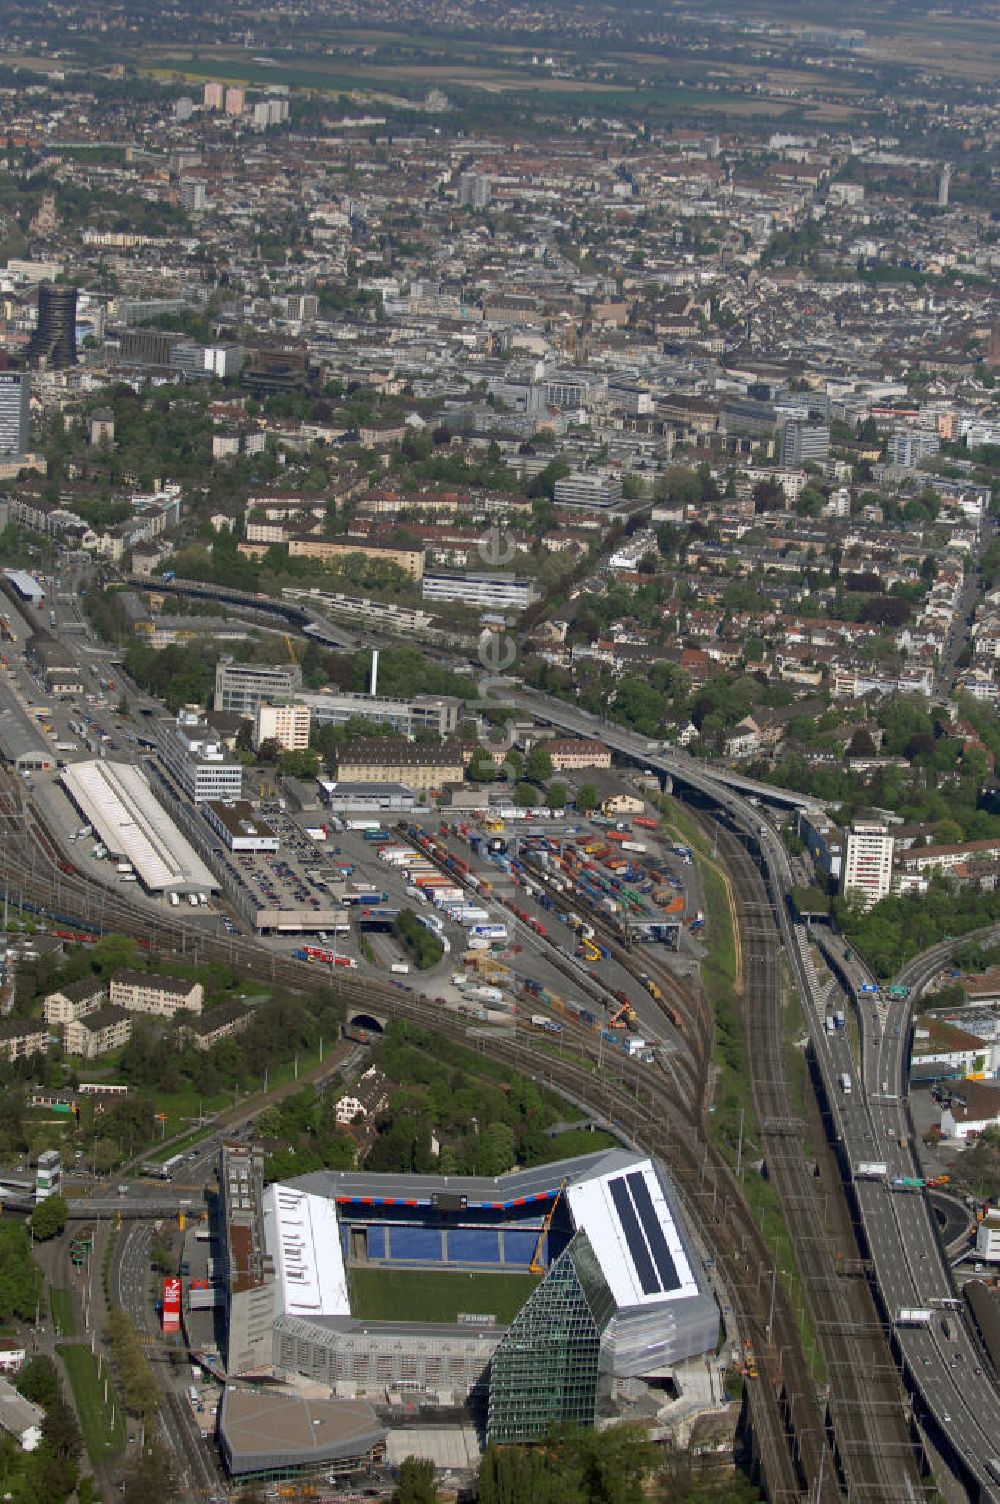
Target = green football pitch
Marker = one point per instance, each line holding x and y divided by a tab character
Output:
427	1295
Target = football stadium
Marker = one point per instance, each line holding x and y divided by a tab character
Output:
538	1297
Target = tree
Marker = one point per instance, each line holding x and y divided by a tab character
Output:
416	1483
575	1466
482	768
302	764
160	1256
524	795
61	1431
555	796
586	797
38	1381
149	1480
49	1218
862	744
538	766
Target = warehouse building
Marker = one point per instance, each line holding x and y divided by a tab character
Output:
623	1297
26	587
127	818
21	747
367	798
239	825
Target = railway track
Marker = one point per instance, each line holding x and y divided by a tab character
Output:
785	1413
868	1427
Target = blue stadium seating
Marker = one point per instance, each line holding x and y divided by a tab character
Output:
519	1246
473	1245
376	1242
415	1245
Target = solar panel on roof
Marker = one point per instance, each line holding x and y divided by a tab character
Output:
633	1236
666	1268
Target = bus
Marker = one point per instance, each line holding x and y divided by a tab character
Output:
164	1171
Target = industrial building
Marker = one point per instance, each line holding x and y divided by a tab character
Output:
368	798
622	1297
196	760
117	801
241	687
240	826
439	714
22	746
60	672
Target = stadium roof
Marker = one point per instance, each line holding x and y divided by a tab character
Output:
119	803
499	1191
632	1231
617	1197
302	1236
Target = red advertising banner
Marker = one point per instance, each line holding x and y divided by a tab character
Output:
171	1304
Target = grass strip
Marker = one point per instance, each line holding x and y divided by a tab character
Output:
102	1420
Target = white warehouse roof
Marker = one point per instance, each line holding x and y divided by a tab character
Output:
118	802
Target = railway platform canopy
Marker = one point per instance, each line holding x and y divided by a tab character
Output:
128	819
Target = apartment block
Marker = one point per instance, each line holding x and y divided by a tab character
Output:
21	1037
74	1001
288	725
142	992
410	560
485	591
868	861
98	1033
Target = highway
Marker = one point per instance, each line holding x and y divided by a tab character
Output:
944	1365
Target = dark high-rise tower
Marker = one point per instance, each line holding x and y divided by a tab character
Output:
54	339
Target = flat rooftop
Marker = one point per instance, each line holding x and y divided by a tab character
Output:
118	802
270	1428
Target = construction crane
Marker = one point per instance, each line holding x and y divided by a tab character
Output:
536	1266
291	649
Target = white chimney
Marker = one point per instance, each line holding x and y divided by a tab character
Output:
373	685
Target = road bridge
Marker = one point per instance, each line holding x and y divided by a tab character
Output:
706	777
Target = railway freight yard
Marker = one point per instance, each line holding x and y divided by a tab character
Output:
536	918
